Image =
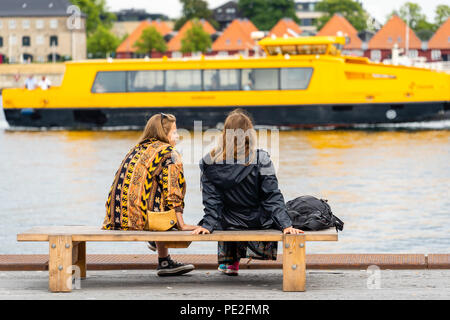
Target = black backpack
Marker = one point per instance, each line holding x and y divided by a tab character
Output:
311	214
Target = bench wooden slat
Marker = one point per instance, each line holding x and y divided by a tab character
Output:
90	233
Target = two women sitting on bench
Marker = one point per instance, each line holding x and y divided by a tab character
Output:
239	189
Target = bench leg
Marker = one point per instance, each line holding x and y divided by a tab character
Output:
60	264
294	263
79	257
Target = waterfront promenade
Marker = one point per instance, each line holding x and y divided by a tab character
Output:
250	284
329	276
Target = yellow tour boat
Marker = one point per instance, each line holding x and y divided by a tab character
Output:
301	82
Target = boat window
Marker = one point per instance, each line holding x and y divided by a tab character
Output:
143	81
216	80
110	81
259	79
273	50
183	80
295	78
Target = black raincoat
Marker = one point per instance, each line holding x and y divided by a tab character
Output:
242	197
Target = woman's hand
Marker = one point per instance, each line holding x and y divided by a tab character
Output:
201	230
292	230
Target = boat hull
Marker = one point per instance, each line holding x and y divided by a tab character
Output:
294	116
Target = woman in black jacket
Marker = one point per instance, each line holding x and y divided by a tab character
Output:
240	192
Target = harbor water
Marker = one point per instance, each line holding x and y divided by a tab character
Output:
390	187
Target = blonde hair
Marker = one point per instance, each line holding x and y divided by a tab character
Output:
238	141
158	127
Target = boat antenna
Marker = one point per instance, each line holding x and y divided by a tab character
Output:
292	32
408	17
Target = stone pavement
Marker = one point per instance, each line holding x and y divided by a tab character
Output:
250	284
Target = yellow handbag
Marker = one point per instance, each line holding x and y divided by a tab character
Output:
160	221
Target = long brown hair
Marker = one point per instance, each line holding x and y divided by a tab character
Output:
238	140
158	127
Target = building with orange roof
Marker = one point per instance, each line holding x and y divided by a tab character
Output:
236	38
285	28
439	44
127	50
174	45
339	26
392	33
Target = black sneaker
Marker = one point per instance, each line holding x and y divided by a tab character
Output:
171	268
152	245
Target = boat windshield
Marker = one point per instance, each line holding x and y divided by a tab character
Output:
304	49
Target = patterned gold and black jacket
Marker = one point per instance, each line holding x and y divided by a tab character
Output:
150	178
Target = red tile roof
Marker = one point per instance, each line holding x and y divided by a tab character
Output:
128	44
236	37
441	39
175	43
338	24
394	31
281	28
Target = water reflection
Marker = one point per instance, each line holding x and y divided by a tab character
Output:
390	188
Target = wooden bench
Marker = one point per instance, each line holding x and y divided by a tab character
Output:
67	247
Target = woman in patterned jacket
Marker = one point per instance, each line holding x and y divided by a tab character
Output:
150	178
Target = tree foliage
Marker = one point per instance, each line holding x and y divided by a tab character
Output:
102	42
442	13
195	9
266	13
196	39
412	12
349	9
96	14
150	40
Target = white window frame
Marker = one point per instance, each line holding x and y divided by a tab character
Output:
12	24
436	54
177	54
40	24
26	24
413	53
1	24
12	40
375	55
54	24
40	39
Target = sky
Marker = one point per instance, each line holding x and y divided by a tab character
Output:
379	9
